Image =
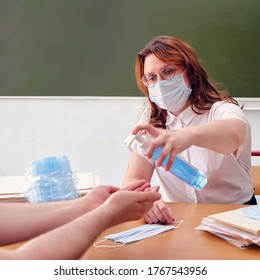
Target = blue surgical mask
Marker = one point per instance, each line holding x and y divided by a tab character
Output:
170	95
137	233
50	179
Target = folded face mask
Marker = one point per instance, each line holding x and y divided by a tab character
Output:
252	212
50	179
137	233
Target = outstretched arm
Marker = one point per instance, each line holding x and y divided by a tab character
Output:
22	221
223	136
71	240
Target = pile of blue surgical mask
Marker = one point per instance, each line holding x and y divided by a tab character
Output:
50	179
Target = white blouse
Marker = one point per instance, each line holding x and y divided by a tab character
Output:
229	179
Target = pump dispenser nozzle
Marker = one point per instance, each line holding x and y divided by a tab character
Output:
143	140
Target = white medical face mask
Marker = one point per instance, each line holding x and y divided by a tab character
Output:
170	95
135	234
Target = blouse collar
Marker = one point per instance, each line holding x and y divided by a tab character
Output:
184	118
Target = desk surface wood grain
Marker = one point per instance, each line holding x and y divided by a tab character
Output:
183	243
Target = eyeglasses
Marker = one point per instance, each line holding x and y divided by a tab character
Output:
166	73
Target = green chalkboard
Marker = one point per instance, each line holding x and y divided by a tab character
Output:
88	47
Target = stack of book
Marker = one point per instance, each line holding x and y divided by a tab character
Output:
240	227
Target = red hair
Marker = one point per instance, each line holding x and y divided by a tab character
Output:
174	51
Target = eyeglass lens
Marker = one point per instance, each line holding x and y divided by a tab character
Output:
166	73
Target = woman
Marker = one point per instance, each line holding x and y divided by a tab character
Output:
189	116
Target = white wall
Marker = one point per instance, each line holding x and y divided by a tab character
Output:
89	130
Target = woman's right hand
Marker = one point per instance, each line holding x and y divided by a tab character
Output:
173	142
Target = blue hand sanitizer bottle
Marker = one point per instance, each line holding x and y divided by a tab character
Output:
181	168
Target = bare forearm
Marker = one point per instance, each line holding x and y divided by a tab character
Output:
69	241
138	169
72	239
223	136
24	221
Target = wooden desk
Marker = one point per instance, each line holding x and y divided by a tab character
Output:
184	243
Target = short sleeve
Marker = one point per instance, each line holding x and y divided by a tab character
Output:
225	110
132	144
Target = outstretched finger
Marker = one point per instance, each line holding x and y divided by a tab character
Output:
153	131
110	189
139	185
148	196
155	189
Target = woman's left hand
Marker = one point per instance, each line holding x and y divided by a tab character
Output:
160	213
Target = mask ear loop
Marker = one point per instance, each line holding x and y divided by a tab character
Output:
107	246
178	223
